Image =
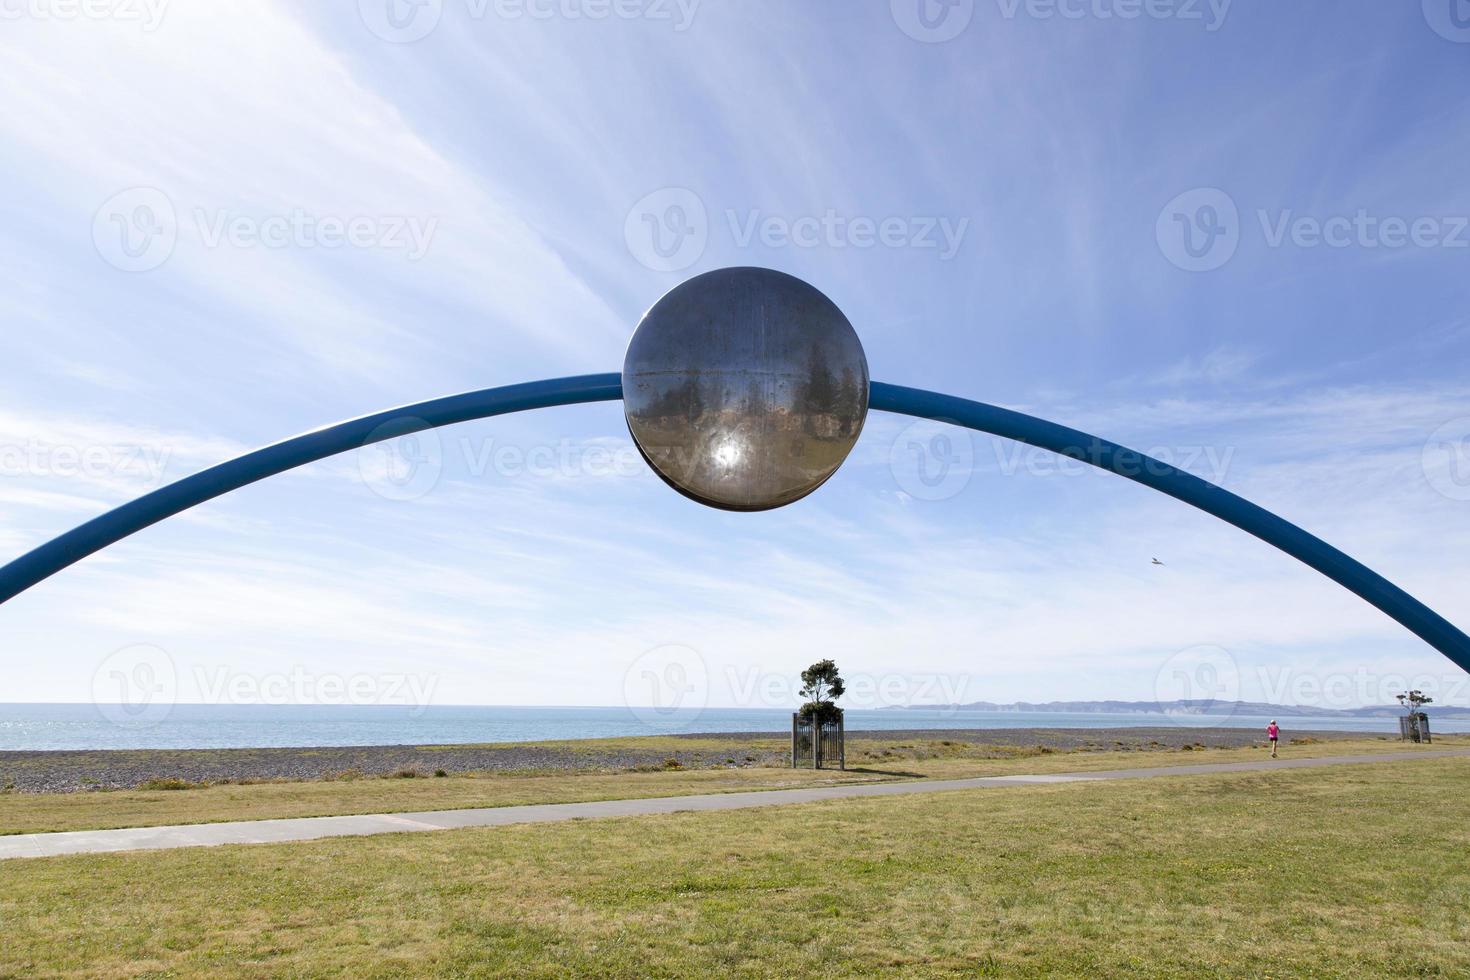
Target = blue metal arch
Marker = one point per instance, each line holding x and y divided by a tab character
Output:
117	524
1353	575
308	447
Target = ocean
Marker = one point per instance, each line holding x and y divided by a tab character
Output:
25	727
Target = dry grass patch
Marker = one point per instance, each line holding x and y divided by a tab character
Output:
350	792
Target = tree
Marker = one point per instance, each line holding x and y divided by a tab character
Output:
1413	701
1417	721
821	685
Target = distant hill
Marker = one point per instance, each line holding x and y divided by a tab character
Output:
1187	707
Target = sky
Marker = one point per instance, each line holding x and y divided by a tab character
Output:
1230	234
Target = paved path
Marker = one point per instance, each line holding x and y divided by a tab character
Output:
312	828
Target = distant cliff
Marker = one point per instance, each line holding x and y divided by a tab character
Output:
1188	707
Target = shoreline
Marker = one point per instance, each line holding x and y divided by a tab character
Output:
72	770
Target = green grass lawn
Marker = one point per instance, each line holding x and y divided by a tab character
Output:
1359	871
869	760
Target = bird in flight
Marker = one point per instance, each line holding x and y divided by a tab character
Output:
1157	562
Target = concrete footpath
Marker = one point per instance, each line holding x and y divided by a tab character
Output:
313	828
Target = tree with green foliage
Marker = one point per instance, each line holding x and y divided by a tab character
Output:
1413	701
1416	719
821	685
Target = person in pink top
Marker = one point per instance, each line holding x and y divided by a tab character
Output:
1273	733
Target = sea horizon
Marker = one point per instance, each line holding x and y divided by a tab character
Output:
69	726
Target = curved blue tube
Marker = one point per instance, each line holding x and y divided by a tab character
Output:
309	447
1433	628
115	525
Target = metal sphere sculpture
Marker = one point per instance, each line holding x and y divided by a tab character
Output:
745	388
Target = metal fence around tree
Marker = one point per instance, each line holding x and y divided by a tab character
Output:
817	744
1415	727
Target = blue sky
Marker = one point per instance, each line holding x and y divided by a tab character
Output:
1232	234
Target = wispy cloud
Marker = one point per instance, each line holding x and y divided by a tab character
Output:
1309	380
1215	366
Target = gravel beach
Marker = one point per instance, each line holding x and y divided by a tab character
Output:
74	771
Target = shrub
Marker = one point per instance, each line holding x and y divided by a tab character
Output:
440	773
169	784
673	763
